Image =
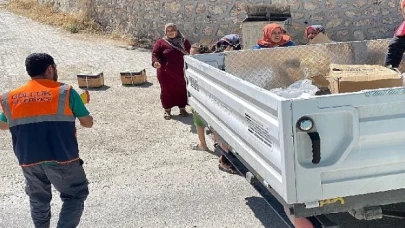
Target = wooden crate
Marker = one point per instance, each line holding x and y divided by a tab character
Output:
133	77
90	80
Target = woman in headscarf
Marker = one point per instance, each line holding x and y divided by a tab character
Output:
228	43
396	48
167	58
274	36
315	34
313	30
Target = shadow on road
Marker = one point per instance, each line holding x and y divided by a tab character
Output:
264	213
267	216
144	85
193	129
103	88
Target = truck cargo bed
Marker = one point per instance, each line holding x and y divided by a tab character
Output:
360	137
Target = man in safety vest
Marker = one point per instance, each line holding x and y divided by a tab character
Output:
396	48
41	118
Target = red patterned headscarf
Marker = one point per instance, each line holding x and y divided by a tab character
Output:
317	28
266	39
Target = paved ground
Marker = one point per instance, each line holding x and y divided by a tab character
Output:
141	169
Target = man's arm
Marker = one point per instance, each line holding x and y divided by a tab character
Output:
79	110
3	122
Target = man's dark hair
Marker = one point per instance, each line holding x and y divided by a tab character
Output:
37	63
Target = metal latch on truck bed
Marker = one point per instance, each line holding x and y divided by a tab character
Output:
306	124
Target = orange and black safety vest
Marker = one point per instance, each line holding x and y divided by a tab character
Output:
41	122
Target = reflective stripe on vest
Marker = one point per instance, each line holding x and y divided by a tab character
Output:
60	116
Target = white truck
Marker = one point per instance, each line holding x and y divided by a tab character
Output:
316	155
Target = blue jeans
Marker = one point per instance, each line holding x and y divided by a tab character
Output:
69	179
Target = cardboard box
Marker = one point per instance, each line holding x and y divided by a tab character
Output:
90	80
315	68
133	77
354	78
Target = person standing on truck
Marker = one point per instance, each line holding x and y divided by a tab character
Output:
168	58
41	118
396	48
274	36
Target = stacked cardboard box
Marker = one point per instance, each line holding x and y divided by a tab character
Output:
354	78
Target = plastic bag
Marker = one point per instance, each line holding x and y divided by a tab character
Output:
299	89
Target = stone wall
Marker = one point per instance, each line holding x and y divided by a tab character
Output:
207	20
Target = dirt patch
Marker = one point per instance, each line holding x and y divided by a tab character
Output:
81	27
48	15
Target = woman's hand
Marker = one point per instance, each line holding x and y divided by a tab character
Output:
156	65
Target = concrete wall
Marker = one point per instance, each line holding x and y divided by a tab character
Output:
208	20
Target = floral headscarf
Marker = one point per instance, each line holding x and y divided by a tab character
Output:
266	39
318	29
176	42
